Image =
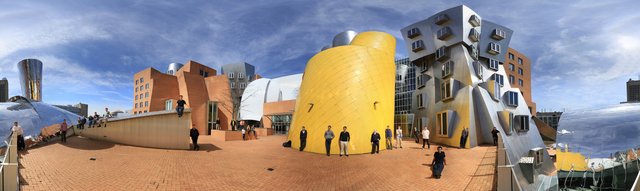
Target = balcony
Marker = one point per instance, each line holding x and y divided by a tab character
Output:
412	33
498	34
442	19
444	33
474	35
474	21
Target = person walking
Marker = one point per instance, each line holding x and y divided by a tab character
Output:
344	141
398	137
20	134
328	136
194	137
303	139
243	134
180	108
425	137
63	130
416	134
375	141
438	162
104	120
253	129
389	135
495	136
463	137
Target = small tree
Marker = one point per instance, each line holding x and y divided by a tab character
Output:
235	97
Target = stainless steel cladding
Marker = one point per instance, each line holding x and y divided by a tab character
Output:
31	78
325	47
173	68
344	38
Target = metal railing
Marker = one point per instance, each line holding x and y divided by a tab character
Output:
9	166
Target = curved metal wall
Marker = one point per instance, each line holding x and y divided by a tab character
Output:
173	68
344	38
30	74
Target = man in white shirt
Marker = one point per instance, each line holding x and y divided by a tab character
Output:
425	137
18	131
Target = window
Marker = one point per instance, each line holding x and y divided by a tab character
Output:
498	34
204	73
233	85
419	101
510	56
445	90
136	97
417	46
522	122
441	19
513	98
444	33
146	95
443	126
494	48
230	75
520	82
498	78
240	75
512	80
441	54
511	67
474	52
141	88
494	64
474	21
479	69
420	80
146	103
145	111
447	69
146	86
243	85
511	125
412	33
135	112
425	66
474	35
538	155
136	89
496	91
140	96
136	105
520	71
141	80
136	82
168	104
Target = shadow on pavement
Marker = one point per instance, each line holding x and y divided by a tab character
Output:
85	143
208	147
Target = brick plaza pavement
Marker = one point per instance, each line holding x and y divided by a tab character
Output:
242	165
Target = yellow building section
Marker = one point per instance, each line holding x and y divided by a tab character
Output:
566	159
353	86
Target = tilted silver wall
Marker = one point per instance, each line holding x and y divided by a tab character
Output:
30	74
173	68
472	102
344	38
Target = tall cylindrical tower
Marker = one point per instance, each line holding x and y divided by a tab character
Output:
31	78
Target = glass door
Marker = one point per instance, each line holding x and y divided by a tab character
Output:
212	115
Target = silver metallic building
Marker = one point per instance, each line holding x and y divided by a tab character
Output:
173	68
605	141
30	74
461	84
341	39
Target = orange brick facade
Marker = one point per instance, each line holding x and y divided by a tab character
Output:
190	82
525	65
276	107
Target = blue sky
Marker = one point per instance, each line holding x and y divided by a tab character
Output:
582	52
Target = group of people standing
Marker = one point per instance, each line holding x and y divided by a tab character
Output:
94	120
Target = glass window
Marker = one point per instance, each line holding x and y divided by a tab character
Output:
145	111
444	33
474	21
493	64
135	112
419	101
146	103
141	88
496	91
168	104
512	79
510	56
519	60
136	97
511	67
425	66
441	19
136	89
413	33
499	79
141	80
498	34
136	82
136	105
230	75
233	85
442	123
520	82
513	98
447	69
417	46
241	75
445	90
243	85
474	35
146	86
520	71
440	53
146	95
495	48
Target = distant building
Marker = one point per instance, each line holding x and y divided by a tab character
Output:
518	71
78	109
633	90
240	75
4	90
83	108
550	118
405	86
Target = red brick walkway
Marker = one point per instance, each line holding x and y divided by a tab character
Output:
242	165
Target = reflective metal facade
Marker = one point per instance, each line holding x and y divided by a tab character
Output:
173	68
341	39
600	144
460	85
30	74
33	117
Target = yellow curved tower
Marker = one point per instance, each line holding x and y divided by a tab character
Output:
351	86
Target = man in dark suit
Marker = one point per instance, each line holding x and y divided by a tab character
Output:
194	137
375	142
303	139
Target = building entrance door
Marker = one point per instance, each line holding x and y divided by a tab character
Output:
212	115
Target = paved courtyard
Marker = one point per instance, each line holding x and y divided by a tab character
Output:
243	165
